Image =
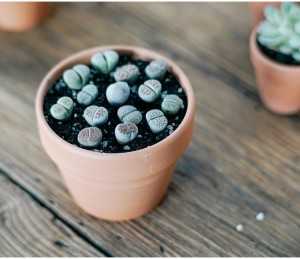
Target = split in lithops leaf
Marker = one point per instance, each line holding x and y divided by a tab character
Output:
156	120
77	77
106	61
118	93
150	90
126	132
90	137
171	104
280	31
128	113
95	116
62	110
128	73
87	95
156	69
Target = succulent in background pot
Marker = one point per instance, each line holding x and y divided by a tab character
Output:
22	16
116	186
275	55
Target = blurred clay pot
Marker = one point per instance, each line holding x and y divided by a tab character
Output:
278	84
119	186
257	11
22	16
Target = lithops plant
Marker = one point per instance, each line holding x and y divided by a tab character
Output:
171	104
126	132
96	116
156	120
156	69
90	137
128	73
118	93
62	110
77	77
87	95
106	61
128	113
281	29
150	90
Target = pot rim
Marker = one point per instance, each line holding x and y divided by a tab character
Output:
264	58
133	50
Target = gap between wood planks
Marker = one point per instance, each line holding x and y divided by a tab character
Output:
41	203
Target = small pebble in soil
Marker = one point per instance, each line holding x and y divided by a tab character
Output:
96	116
105	62
62	110
260	216
128	73
90	137
118	93
126	132
156	69
87	95
239	228
150	90
77	77
129	113
171	104
156	120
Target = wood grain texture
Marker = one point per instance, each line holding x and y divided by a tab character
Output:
242	160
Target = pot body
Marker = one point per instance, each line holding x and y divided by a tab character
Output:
257	11
116	186
22	16
278	84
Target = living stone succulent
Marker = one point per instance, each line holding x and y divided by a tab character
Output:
156	69
156	120
77	77
150	90
105	62
90	137
87	95
62	110
95	116
171	104
128	113
126	132
281	29
118	93
128	73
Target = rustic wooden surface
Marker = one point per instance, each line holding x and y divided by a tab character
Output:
242	160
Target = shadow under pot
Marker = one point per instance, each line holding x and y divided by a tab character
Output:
278	84
22	16
116	186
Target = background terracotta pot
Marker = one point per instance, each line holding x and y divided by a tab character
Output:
116	186
22	16
257	11
278	84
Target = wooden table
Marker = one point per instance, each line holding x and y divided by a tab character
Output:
243	159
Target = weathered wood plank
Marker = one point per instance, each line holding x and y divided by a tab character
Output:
242	160
29	230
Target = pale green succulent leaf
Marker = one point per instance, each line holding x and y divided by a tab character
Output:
297	27
271	41
268	29
294	42
296	55
285	49
286	7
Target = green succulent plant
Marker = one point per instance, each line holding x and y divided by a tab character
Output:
281	29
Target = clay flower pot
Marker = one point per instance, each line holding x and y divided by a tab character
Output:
22	16
257	11
278	84
119	186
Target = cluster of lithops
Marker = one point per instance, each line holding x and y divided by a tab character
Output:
85	93
281	29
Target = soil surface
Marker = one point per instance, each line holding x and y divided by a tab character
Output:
68	130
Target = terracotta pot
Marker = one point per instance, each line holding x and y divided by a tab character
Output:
118	186
278	84
22	16
257	11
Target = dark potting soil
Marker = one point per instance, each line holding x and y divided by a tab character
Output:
68	130
278	56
